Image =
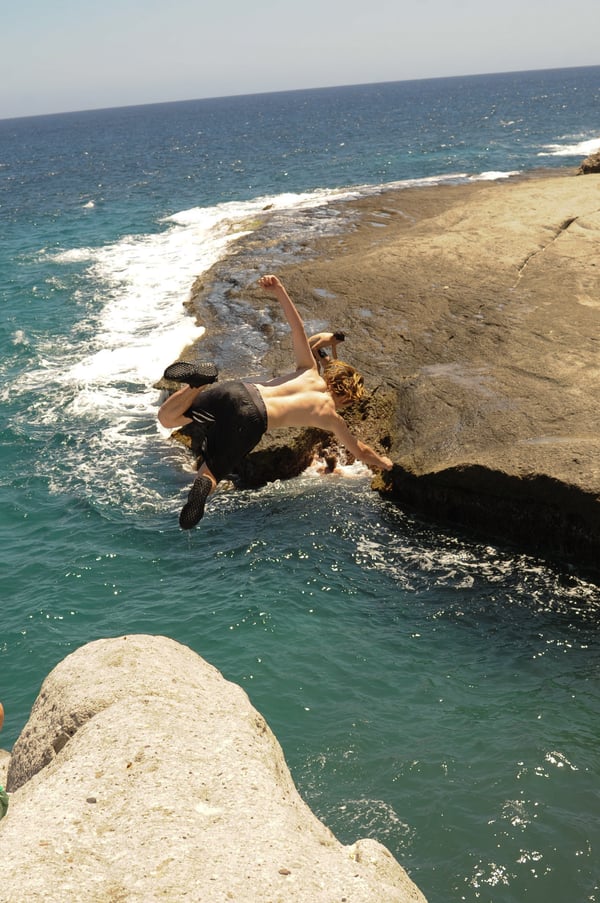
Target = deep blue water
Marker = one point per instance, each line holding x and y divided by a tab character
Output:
438	694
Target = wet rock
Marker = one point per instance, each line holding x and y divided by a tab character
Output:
590	164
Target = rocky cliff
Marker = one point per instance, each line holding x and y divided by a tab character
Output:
473	311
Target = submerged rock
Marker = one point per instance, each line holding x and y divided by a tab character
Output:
142	774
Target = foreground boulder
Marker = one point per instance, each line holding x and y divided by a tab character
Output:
144	775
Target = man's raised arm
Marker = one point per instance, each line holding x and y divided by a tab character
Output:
302	353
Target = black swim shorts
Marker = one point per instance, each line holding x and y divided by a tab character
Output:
230	418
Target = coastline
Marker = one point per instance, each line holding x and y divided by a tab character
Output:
476	306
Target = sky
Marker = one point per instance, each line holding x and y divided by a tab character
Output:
69	55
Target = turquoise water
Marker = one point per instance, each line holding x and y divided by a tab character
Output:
439	694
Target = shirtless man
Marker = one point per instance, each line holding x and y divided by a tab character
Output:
322	340
234	415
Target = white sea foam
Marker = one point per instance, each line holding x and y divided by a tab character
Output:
139	284
133	295
72	255
452	177
494	176
19	338
233	214
320	468
573	149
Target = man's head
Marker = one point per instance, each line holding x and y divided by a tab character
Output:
339	336
345	384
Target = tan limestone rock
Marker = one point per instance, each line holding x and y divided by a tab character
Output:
143	775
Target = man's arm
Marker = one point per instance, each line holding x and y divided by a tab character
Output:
302	351
320	340
337	425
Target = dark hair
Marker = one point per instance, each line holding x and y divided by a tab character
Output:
339	336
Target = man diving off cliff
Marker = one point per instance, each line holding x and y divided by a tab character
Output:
233	416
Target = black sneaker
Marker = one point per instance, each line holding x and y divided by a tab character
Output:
194	375
193	510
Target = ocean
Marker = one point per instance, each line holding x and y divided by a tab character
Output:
429	690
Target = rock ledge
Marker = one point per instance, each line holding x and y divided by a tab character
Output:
474	309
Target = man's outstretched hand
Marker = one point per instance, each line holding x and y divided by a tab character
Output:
270	282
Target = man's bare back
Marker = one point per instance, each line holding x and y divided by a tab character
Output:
297	399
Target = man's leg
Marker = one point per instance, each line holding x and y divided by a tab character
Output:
194	378
193	510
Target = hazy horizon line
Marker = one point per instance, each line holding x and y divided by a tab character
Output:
152	103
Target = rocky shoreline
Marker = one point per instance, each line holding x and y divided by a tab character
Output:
472	309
